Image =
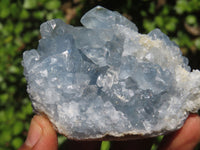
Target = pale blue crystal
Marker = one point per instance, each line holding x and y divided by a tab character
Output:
102	18
105	78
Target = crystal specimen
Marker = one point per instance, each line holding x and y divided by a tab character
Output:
105	80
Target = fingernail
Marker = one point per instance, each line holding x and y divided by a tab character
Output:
34	134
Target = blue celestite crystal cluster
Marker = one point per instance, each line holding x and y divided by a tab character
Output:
106	79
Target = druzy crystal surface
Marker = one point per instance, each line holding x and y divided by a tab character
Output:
104	79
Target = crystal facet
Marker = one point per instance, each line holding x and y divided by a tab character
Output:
107	80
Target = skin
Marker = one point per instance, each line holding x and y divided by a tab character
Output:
42	136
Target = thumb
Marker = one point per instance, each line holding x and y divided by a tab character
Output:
41	135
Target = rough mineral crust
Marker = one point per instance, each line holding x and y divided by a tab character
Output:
105	80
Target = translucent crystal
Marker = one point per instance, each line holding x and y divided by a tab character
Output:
107	80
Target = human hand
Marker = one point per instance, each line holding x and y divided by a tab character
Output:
42	136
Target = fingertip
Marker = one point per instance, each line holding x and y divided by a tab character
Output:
192	128
186	138
34	134
41	135
48	140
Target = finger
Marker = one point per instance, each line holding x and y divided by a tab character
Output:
41	135
186	138
144	144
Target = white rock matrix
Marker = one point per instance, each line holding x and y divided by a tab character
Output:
104	80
